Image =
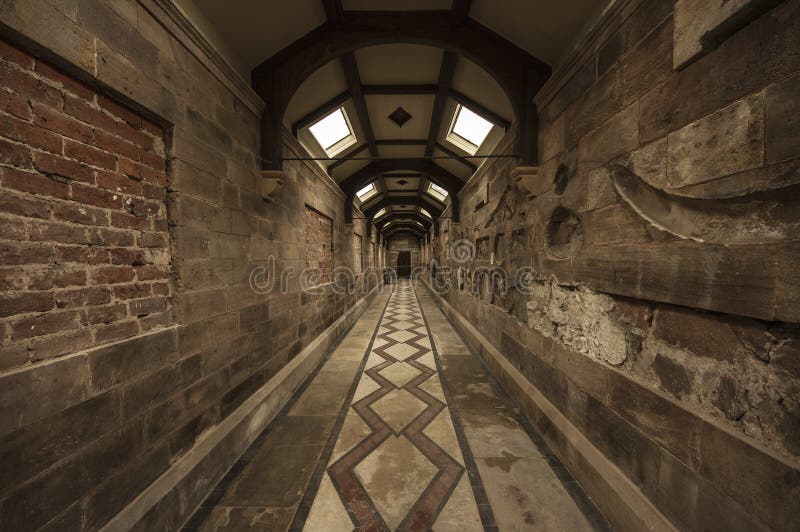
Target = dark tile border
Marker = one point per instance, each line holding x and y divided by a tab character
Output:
201	514
301	515
484	508
596	519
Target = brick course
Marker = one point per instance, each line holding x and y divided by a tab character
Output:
85	252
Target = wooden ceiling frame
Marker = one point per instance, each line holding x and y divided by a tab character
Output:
518	73
431	171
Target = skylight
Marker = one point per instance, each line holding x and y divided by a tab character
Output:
380	213
334	133
425	213
468	130
437	192
367	192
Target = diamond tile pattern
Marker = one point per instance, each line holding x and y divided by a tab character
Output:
398	476
399	374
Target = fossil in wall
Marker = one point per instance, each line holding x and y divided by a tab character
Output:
758	217
505	208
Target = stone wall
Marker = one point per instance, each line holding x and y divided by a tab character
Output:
85	426
661	311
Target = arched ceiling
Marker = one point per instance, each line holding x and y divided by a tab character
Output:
255	29
425	83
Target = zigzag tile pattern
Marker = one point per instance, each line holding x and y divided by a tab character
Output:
396	475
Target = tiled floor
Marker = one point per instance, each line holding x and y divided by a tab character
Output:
400	429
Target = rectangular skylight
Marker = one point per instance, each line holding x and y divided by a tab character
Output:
334	133
367	192
380	213
437	192
468	130
425	213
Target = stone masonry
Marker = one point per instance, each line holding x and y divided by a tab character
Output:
674	354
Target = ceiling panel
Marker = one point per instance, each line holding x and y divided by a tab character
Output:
401	151
347	168
256	30
399	5
419	107
546	29
397	184
398	64
452	165
474	82
323	85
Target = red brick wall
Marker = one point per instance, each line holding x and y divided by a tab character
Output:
319	242
84	247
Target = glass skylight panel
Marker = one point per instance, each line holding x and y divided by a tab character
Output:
468	130
380	213
367	192
333	133
437	192
425	213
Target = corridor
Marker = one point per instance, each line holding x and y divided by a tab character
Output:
447	265
401	428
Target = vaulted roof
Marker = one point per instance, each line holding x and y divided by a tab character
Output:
400	87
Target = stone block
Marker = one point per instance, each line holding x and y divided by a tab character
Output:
620	134
601	190
738	68
721	338
677	492
600	102
700	25
726	459
196	306
51	493
659	419
55	386
51	28
728	141
39	445
212	331
631	451
142	394
572	90
613	225
551	139
783	120
118	363
649	64
113	494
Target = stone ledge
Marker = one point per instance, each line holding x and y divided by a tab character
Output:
174	496
625	506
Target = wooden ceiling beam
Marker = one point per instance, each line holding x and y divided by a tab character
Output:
480	110
466	162
428	168
460	9
390	90
408	199
446	71
320	112
402	142
350	67
519	74
333	10
345	158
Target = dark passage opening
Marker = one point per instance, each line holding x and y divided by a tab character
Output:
403	264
